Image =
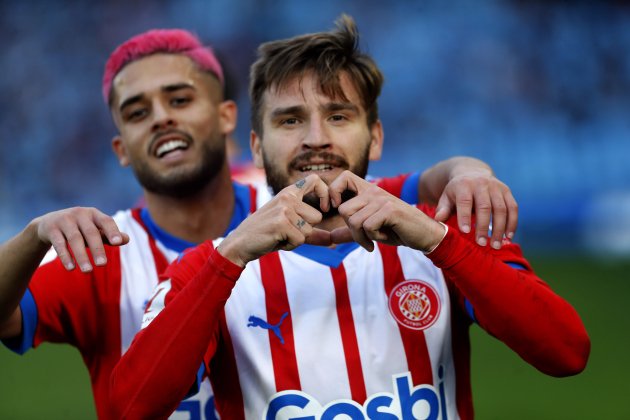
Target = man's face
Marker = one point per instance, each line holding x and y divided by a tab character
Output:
172	124
306	132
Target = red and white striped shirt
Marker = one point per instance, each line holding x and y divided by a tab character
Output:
100	312
318	332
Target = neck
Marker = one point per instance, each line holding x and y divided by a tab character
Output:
203	216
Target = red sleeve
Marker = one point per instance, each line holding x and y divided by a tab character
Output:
515	305
392	185
160	366
73	307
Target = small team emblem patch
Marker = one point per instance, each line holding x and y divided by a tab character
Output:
414	304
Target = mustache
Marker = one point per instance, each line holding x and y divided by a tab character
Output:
307	157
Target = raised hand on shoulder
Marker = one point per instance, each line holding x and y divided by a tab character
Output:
465	186
72	231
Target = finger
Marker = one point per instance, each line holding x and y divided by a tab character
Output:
464	205
354	213
346	181
312	184
443	211
483	210
308	213
355	223
341	235
354	205
512	215
94	240
319	237
58	242
109	229
293	237
374	228
499	219
77	246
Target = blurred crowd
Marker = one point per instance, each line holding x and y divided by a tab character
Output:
540	90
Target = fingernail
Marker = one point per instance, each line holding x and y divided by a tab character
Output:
465	228
510	235
86	267
100	260
70	266
496	245
116	240
482	241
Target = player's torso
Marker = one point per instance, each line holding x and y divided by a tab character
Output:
297	357
141	262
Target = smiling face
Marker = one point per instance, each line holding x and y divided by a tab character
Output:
306	132
172	124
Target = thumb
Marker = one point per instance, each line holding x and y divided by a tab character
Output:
443	208
319	237
341	235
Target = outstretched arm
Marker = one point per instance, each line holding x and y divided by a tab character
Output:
465	185
68	231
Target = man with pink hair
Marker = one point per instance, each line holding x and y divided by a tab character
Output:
67	277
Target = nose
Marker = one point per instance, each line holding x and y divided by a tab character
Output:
316	136
162	118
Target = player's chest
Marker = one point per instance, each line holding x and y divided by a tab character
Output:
366	297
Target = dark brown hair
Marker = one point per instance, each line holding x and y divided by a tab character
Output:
327	55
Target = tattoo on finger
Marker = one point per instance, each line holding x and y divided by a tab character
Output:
300	223
300	183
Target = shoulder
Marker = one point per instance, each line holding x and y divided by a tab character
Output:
188	262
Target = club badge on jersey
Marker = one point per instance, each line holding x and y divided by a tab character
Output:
414	304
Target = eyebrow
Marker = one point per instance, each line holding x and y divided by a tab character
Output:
168	89
329	107
296	109
341	106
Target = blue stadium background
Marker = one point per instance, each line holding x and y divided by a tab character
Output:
540	90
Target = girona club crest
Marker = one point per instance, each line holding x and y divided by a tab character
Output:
414	304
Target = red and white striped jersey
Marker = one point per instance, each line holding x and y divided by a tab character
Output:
318	332
100	312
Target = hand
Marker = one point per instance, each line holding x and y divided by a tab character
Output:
76	227
490	197
375	215
284	223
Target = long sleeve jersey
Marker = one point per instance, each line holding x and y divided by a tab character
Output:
100	312
317	332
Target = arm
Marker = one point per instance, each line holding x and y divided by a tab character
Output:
459	183
21	255
513	305
516	306
181	321
159	368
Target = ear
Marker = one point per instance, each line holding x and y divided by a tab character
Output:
376	140
255	145
120	150
228	113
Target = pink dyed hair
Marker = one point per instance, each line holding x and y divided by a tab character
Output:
169	41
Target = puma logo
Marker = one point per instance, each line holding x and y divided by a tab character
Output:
254	321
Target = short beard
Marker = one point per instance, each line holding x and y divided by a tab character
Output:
183	184
278	181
